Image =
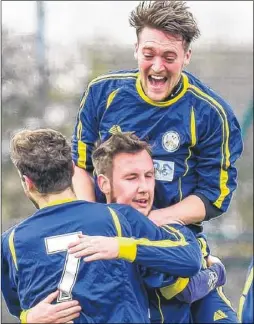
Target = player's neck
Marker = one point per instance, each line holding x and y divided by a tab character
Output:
56	198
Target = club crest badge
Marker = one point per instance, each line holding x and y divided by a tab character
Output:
171	141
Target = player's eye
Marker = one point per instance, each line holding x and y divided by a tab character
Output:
148	56
170	59
131	178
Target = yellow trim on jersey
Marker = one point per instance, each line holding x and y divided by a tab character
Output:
58	202
128	246
170	291
115	129
193	139
224	190
12	248
111	97
162	103
116	222
203	244
223	297
159	306
219	315
180	189
175	232
82	154
23	316
108	77
244	293
127	249
240	308
82	147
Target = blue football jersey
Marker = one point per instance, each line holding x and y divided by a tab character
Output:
195	135
35	260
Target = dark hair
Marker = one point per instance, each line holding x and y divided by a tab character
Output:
104	152
44	156
169	16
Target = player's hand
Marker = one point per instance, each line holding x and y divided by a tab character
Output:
211	259
94	248
159	218
45	312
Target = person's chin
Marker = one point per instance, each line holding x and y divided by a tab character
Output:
144	211
157	96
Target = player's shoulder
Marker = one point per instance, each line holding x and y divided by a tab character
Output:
119	77
203	93
6	237
123	209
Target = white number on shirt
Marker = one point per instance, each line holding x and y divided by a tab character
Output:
59	243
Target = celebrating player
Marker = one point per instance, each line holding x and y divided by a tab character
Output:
124	175
35	260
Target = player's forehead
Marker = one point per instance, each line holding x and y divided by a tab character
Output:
138	162
150	38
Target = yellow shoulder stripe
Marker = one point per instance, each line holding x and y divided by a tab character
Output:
116	221
170	291
12	248
111	97
107	77
225	162
82	147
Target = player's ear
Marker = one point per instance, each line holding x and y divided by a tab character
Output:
136	51
73	168
27	182
187	57
104	183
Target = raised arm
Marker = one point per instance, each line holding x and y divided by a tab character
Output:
84	136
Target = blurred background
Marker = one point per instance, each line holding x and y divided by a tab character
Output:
52	49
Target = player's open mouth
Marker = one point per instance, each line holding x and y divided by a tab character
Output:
141	202
157	81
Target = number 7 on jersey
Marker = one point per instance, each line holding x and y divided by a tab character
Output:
59	243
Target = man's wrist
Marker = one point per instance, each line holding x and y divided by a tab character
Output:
127	248
24	316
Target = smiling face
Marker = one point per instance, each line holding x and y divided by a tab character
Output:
161	59
133	181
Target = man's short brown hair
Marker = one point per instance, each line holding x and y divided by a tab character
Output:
172	17
44	156
104	152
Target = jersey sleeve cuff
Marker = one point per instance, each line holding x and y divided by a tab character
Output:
170	291
127	248
23	316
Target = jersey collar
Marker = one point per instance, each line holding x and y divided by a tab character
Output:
58	202
162	103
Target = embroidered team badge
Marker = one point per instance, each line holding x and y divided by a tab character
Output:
171	141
